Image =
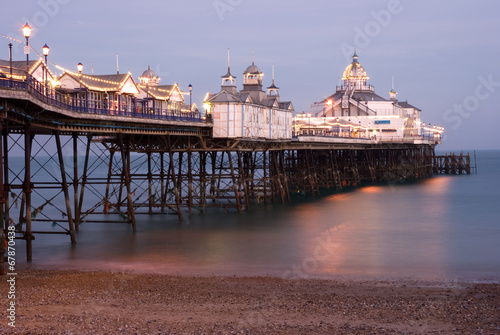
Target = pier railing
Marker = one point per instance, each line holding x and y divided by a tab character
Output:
51	96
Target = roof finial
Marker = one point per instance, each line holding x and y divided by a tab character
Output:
355	56
393	83
253	57
273	74
228	61
117	67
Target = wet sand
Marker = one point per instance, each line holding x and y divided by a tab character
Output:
71	302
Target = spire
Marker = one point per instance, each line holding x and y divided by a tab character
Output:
273	75
229	79
273	90
355	56
392	92
253	57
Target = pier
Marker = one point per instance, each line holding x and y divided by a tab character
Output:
81	166
85	148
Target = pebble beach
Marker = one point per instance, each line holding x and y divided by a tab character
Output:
76	302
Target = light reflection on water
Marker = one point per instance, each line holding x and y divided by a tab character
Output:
441	228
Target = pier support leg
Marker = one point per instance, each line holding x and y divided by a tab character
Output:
235	186
174	179
27	188
190	180
84	179
125	152
106	201
6	183
162	181
75	179
65	189
150	184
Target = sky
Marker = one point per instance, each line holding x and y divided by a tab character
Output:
443	55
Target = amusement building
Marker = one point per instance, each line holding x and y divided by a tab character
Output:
356	111
250	113
111	94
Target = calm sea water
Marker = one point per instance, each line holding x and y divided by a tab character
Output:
443	228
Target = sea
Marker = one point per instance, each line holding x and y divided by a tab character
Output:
445	228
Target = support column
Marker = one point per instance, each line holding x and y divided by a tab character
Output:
75	179
106	201
65	189
125	152
190	181
27	188
150	186
78	214
244	180
162	180
174	181
235	187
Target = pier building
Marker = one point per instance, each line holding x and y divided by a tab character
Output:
250	113
355	110
119	94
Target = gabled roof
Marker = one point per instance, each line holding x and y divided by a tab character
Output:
367	96
223	96
162	92
286	105
105	83
19	67
270	102
405	104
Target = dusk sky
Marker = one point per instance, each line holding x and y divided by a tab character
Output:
443	54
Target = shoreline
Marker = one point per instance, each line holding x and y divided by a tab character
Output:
93	302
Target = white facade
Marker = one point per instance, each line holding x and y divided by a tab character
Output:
250	121
250	113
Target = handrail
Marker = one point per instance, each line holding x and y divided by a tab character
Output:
50	96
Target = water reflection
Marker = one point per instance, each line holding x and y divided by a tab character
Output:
415	230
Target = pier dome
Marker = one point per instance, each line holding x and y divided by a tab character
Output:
354	70
149	77
252	78
252	69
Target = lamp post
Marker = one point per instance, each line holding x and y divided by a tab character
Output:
146	80
79	66
45	50
190	94
10	61
309	123
27	33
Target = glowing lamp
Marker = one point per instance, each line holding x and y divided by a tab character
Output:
26	30
190	88
45	50
80	67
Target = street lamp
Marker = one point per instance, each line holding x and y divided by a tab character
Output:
146	80
10	61
27	33
190	94
45	50
79	66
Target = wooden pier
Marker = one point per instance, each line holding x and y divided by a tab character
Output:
78	167
452	164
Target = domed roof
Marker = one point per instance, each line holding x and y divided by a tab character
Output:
149	73
354	70
252	69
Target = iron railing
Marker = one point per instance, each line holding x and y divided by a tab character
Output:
81	105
